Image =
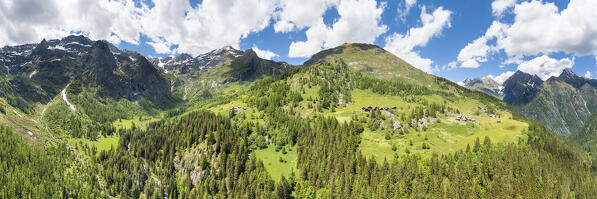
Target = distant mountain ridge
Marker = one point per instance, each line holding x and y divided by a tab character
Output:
562	103
103	63
485	84
96	75
183	63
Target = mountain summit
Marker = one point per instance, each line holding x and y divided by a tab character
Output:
485	84
561	103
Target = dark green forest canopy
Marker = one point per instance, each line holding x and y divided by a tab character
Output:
209	148
329	166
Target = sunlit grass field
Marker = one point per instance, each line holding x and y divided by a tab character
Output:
271	161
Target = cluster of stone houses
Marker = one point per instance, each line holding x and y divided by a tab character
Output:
375	108
465	119
238	108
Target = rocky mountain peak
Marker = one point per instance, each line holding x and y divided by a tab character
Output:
569	77
101	62
40	48
485	84
249	65
77	39
521	87
183	56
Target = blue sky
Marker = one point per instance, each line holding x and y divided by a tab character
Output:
453	39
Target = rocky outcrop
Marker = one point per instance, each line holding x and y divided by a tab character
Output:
486	85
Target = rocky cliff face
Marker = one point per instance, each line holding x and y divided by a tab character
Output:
52	64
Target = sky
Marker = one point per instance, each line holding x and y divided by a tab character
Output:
452	39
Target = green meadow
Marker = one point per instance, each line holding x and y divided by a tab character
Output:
277	163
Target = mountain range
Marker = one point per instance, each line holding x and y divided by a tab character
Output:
353	121
563	103
98	74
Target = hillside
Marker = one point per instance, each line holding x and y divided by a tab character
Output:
54	85
587	138
354	121
73	86
561	103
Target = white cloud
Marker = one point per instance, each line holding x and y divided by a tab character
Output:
410	3
194	29
471	63
541	28
538	29
211	24
360	21
27	21
265	54
545	67
298	14
473	53
499	6
404	8
501	78
403	45
588	75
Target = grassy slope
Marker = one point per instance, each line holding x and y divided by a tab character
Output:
445	137
271	160
102	144
139	121
376	61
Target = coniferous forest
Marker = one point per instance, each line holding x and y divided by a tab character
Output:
354	121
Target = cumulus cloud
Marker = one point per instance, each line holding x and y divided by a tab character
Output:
298	14
534	29
499	6
193	29
545	67
432	26
265	54
477	51
538	29
211	24
360	21
588	75
404	8
27	21
501	78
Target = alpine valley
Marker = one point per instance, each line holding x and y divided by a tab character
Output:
84	119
